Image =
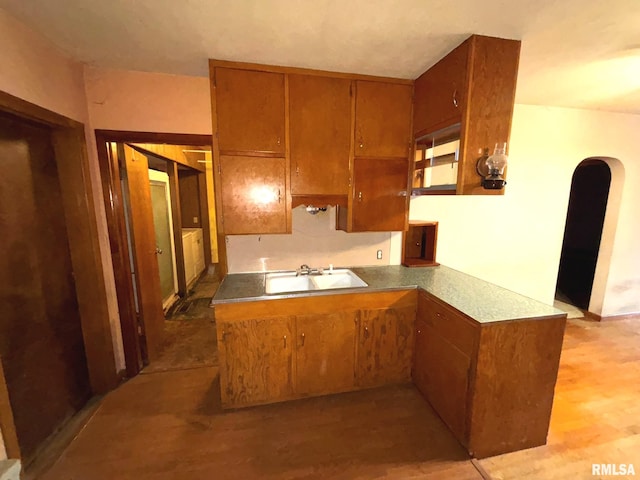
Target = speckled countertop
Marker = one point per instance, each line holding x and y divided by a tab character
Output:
482	301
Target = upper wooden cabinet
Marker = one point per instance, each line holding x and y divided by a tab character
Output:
320	130
383	118
250	111
253	194
440	92
379	201
468	95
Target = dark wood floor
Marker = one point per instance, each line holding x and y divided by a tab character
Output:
169	425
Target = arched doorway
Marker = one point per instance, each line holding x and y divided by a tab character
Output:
583	232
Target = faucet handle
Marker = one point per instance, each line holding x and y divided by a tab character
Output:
304	266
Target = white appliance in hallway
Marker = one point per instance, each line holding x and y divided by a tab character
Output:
193	248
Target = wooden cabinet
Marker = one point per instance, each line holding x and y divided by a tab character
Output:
380	194
471	92
258	360
250	111
383	118
491	383
320	130
440	92
253	194
325	359
349	342
385	346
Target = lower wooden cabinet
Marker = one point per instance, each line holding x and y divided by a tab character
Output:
273	350
385	346
258	360
325	359
491	383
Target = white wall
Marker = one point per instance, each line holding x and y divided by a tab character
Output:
515	240
314	242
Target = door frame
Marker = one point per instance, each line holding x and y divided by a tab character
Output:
74	172
162	178
114	205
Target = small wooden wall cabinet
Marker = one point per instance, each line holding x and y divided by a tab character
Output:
419	245
492	384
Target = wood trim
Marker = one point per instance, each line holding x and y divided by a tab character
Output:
120	254
204	217
84	245
7	425
215	154
304	71
319	200
317	304
608	318
124	136
31	111
287	156
176	217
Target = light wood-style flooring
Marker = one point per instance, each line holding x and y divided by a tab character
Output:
169	425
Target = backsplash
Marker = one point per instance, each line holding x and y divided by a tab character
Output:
314	242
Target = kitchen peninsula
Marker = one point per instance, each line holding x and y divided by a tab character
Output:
485	358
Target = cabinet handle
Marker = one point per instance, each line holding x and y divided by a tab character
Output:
297	170
455	98
285	341
279	196
224	336
278	140
302	336
366	332
359	196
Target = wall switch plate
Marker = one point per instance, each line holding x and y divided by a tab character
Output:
379	255
195	219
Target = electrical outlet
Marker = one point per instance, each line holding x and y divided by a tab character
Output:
379	255
195	219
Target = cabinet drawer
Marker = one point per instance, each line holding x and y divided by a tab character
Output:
449	323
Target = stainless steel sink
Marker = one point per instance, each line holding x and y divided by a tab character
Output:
281	282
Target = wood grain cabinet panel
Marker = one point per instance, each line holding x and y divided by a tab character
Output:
442	374
256	364
383	119
380	194
325	353
253	194
440	92
320	132
250	108
385	346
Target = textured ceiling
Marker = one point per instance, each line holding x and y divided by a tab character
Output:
575	53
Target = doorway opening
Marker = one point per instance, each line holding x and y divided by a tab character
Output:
158	192
588	200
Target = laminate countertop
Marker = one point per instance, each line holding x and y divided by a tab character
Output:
480	300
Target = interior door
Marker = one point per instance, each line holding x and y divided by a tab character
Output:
163	225
41	343
143	240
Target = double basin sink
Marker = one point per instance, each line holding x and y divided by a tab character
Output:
285	282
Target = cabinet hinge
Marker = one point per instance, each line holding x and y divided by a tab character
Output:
351	89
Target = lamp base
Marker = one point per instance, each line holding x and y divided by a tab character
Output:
493	183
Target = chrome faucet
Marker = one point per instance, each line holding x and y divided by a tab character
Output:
306	270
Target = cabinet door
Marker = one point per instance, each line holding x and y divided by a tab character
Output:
440	92
380	194
250	111
385	346
253	195
256	360
325	353
320	129
383	116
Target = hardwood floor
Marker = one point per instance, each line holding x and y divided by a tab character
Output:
596	409
169	425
